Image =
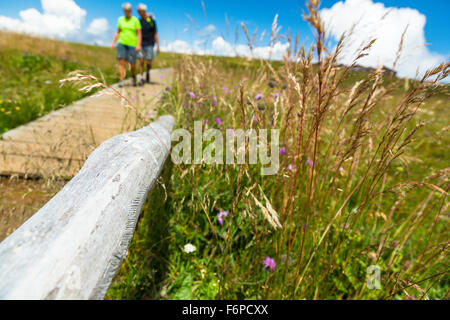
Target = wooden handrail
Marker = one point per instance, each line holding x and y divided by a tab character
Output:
73	246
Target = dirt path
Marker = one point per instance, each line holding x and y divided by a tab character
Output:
20	199
56	146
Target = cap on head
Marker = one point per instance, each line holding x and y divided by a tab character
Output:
142	7
126	6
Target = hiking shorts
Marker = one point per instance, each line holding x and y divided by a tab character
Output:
146	53
126	52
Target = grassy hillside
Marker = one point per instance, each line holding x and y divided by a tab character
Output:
403	229
31	68
363	181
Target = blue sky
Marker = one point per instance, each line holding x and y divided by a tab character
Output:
174	24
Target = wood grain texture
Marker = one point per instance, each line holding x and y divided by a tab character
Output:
74	245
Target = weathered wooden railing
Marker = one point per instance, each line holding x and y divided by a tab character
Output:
74	245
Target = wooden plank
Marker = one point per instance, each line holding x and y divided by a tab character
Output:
39	166
60	131
57	151
74	245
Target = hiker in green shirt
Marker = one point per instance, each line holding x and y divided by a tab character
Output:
149	39
129	37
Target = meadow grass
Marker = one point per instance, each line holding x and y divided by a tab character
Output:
364	182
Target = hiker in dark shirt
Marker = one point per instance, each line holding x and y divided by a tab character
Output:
149	38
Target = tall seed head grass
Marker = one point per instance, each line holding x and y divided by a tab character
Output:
338	204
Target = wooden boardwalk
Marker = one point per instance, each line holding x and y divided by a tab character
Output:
58	144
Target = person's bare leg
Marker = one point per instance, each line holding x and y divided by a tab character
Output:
142	62
142	65
133	73
149	67
122	70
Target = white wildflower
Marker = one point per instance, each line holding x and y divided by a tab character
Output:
189	248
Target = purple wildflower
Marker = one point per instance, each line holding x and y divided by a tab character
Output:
269	264
219	121
255	118
277	94
193	96
149	115
133	99
291	167
310	163
221	215
259	96
205	121
282	151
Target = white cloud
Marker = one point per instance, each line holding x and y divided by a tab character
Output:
277	52
224	48
387	24
178	46
220	47
208	30
98	27
59	19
